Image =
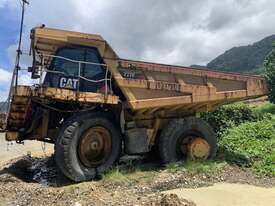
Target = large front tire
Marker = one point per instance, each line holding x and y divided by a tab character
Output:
88	145
187	138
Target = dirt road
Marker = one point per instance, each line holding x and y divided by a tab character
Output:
226	194
13	150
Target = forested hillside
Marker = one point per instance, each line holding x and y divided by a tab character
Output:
244	59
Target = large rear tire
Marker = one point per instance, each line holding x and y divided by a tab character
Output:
187	138
88	145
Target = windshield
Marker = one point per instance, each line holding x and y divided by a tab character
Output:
78	54
68	76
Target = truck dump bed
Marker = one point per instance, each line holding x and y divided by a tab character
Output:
151	85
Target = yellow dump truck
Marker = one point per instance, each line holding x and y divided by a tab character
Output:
91	104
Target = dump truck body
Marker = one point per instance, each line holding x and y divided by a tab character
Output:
85	86
150	85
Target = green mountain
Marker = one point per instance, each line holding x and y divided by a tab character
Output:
244	59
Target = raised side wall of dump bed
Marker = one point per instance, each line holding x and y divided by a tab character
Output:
150	85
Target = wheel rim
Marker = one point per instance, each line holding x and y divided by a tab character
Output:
198	149
194	147
94	146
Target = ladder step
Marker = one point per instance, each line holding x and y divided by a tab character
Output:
17	100
15	124
17	115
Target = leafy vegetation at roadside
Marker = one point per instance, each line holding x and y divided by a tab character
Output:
246	135
251	144
264	111
231	115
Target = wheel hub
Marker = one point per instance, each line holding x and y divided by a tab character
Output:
94	146
198	149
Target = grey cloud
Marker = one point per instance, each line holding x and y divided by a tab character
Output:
142	24
176	32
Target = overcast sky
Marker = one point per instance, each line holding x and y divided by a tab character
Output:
181	32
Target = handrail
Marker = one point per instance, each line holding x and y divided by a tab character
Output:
71	60
84	78
79	76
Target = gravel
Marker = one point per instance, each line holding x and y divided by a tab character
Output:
36	181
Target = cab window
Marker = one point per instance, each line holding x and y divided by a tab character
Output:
90	70
70	69
66	66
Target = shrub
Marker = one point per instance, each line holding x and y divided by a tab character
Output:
264	110
232	115
251	144
229	115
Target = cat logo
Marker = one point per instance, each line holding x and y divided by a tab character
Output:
69	83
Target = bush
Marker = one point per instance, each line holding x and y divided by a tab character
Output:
264	110
246	135
251	144
230	115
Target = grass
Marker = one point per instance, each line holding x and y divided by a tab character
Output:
125	175
119	175
115	175
208	167
72	188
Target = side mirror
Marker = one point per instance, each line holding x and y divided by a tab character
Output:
35	71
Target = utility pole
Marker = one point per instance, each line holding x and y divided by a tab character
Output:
18	51
14	80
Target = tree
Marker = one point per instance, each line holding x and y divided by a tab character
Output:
269	64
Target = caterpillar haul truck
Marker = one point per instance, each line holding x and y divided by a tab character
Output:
91	104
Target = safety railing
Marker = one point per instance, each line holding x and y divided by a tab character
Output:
106	79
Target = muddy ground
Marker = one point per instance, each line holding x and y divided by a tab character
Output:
34	180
